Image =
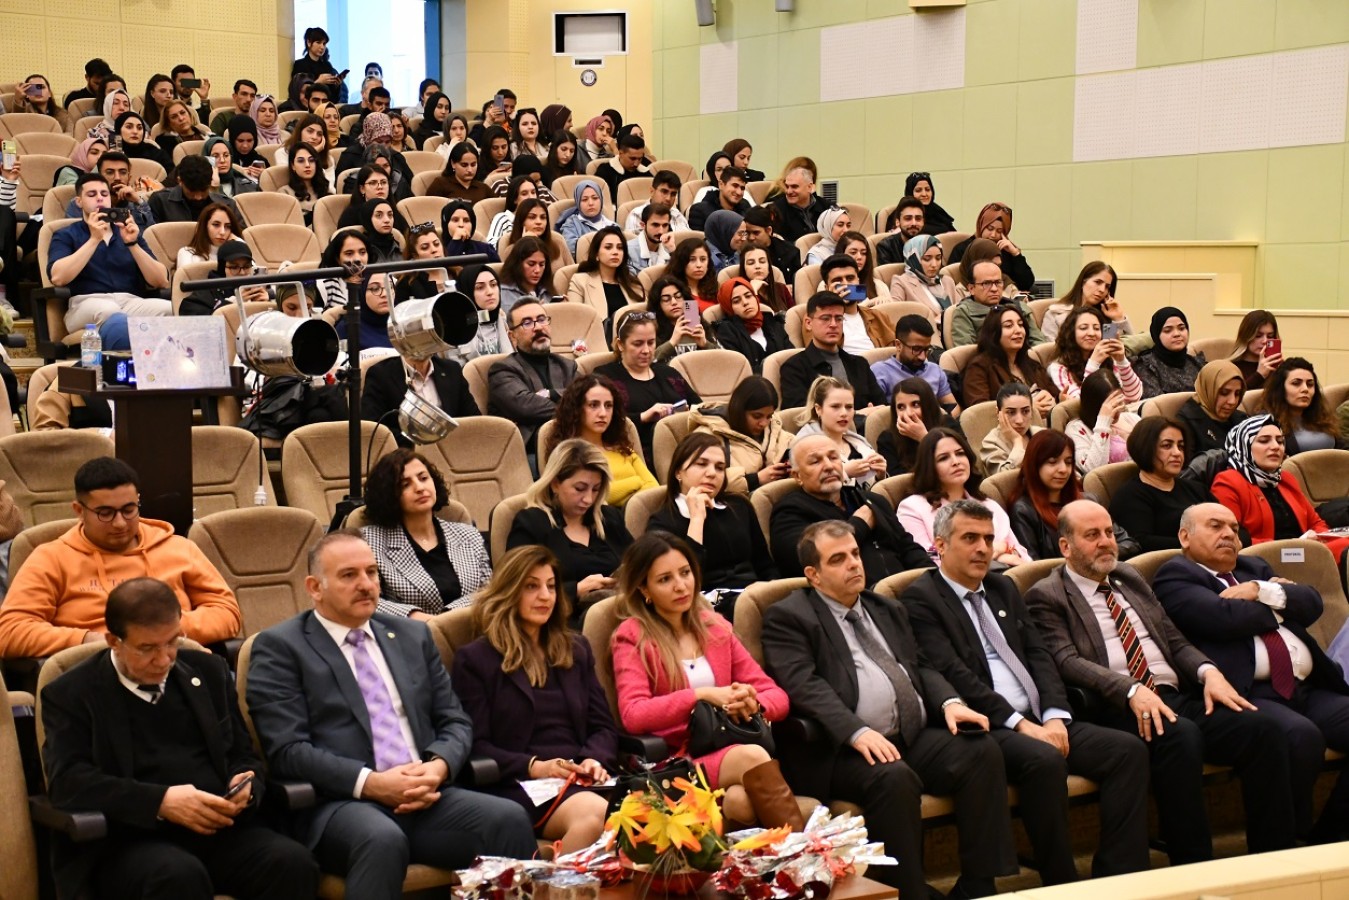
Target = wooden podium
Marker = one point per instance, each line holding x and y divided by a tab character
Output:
153	434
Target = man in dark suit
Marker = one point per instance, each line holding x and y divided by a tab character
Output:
824	355
1253	625
890	722
152	737
1109	635
525	386
360	705
816	465
439	381
975	630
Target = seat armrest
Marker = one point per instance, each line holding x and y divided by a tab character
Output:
646	747
20	672
14	340
481	771
294	795
229	648
798	730
1086	705
78	826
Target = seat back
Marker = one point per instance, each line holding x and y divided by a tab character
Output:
1315	567
977	421
957	358
713	374
895	488
1027	575
499	525
35	179
795	323
1253	401
420	161
1064	412
633	189
18	854
640	507
1045	353
806	283
55	201
895	585
562	278
38	382
772	368
274	178
16	123
484	211
167	238
267	576
348	122
1322	474
573	322
766	497
28	540
600	622
483	462
227	468
451	630
416	210
148	168
669	432
751	605
1214	348
544	439
684	170
649	276
46	143
327	211
1165	405
475	373
270	208
949	240
1148	563
273	244
877	423
1102	481
193	271
589	362
564	187
38	468
314	463
863	221
1039	308
998	488
187	148
688	191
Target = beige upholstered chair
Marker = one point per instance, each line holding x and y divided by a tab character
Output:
766	497
327	211
227	468
38	468
502	518
1102	481
475	373
483	462
451	630
640	507
44	143
669	432
1148	563
572	322
977	421
32	537
275	244
772	369
18	853
270	208
167	238
1318	569
998	488
713	374
1166	405
1064	412
1322	474
314	463
895	488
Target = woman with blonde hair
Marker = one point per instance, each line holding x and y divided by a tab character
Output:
529	685
672	652
830	402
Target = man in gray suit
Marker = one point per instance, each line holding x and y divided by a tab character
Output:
525	386
360	705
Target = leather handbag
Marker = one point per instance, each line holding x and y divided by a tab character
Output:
711	729
659	776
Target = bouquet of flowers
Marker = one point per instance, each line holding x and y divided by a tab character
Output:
672	845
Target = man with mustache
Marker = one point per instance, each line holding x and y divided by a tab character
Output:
1110	636
1253	625
360	705
526	385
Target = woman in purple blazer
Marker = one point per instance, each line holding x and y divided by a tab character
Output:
538	710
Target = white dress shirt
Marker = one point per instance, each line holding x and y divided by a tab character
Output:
1273	596
1161	670
133	687
339	635
422	385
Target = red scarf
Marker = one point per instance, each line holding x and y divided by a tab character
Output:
752	324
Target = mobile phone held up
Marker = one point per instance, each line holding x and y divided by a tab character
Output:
9	152
1110	331
856	293
190	83
116	215
1273	347
499	101
691	317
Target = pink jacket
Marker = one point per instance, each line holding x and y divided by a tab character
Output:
663	710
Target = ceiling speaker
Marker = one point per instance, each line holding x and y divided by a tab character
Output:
707	15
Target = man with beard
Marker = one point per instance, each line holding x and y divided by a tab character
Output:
526	386
909	215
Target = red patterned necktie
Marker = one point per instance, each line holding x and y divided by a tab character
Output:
1133	647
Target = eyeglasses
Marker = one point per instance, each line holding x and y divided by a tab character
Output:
531	324
377	288
989	285
106	514
422	228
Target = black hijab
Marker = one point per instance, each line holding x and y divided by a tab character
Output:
237	126
382	245
710	170
1176	359
143	150
935	219
466	283
427	128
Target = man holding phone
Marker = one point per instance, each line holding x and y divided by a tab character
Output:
104	261
186	83
150	735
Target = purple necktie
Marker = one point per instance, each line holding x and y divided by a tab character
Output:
390	748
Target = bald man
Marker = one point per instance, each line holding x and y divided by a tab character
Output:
1253	625
1110	636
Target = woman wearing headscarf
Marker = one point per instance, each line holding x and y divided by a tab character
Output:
745	326
377	220
1215	407
995	224
586	216
264	114
295	93
82	159
935	219
242	134
479	283
376	140
831	225
1168	368
231	183
135	143
599	142
554	118
922	280
1268	506
434	117
719	232
332	123
457	224
115	103
712	172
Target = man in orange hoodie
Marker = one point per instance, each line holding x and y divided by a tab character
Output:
57	599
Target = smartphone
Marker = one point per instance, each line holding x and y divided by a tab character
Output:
259	270
32	90
187	83
678	406
10	151
499	101
342	75
117	214
1273	347
856	293
691	317
969	729
1110	332
239	787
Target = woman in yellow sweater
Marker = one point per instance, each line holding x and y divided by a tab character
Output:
593	409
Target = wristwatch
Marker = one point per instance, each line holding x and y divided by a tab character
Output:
1133	690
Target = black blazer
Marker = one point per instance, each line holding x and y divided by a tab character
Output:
802	369
947	636
1223	629
806	653
1043	542
733	335
502	707
385	385
169	205
531	526
88	749
733	553
886	549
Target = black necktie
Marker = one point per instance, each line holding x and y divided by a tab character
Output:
155	691
911	714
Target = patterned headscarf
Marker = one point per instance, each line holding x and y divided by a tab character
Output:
1238	446
376	126
914	248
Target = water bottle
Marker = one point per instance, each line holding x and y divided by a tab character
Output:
91	351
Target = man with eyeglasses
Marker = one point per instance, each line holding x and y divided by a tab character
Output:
526	386
913	340
985	289
824	355
57	599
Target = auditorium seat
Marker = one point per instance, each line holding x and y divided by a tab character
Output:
895	488
640	507
44	143
1148	563
314	465
475	373
1165	405
669	432
713	374
650	275
483	462
1322	474
895	585
273	244
1027	575
1103	481
38	468
766	497
165	239
1064	412
499	525
453	511
805	283
32	537
998	488
270	208
878	423
772	369
575	322
1316	567
587	363
977	421
18	852
227	468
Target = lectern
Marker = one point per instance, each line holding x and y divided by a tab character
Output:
153	434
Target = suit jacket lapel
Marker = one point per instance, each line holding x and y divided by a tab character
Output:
838	645
885	622
121	739
346	681
1086	617
955	609
198	698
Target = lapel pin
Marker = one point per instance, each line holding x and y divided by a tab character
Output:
1002	614
196	682
391	635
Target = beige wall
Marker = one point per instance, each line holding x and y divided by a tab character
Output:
242	39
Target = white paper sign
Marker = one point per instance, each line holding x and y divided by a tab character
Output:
179	352
1292	555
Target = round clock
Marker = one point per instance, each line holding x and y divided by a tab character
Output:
588	77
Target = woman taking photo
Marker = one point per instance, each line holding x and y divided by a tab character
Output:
603	280
922	280
529	686
591	408
745	327
1005	446
35	96
1168	368
459	179
946	472
915	413
1268	506
719	526
691	264
1002	357
1215	406
1253	356
1082	350
565	512
217	224
307	182
755	265
831	414
480	282
586	216
422	242
458	222
1292	395
666	302
1094	287
426	564
1150	504
854	245
1103	441
749	427
670	652
652	390
526	273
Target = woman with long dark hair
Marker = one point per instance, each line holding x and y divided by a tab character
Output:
592	409
666	301
459	179
752	432
603	280
1083	349
1258	327
1003	356
692	264
916	411
1094	287
1293	397
1103	423
307	182
526	273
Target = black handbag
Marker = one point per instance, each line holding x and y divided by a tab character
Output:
660	776
711	729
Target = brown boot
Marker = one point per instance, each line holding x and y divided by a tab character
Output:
773	801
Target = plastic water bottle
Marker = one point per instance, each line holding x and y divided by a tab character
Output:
91	351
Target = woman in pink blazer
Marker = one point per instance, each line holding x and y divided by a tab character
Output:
671	651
